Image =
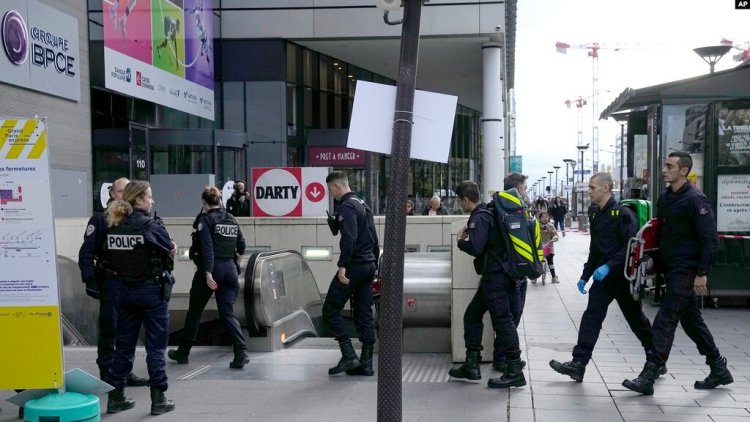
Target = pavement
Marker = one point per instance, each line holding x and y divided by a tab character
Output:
293	385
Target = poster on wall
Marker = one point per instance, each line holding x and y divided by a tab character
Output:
733	203
29	298
40	49
290	191
734	137
161	51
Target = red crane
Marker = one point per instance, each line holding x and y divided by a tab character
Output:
743	55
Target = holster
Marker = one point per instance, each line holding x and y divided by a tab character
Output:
166	281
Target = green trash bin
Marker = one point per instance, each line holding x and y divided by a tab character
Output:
67	407
641	208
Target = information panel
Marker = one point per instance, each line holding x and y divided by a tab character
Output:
733	203
30	344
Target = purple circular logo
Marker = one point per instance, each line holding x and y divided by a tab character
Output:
15	37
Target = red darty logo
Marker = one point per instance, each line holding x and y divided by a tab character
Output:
277	192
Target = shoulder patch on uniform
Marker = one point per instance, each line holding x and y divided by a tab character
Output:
200	226
90	229
340	217
703	211
472	225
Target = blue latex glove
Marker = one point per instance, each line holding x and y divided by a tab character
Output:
601	272
582	286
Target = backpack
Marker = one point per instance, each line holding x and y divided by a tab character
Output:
520	234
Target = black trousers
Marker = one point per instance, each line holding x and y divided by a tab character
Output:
680	304
225	275
517	301
494	295
105	341
359	290
601	294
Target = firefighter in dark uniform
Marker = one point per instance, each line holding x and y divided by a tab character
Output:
138	257
217	244
612	226
495	293
688	242
356	269
89	256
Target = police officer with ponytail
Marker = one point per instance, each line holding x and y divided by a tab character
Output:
217	244
138	257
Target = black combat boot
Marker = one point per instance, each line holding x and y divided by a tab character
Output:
240	357
366	359
348	360
511	378
136	381
573	369
644	384
502	365
117	402
719	374
470	369
181	355
159	402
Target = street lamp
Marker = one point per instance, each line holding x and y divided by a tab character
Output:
582	148
712	54
557	192
550	180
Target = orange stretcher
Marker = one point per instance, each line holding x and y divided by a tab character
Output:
639	263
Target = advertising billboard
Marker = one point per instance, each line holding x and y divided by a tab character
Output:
161	51
290	191
40	49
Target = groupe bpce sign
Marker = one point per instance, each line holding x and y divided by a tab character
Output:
41	47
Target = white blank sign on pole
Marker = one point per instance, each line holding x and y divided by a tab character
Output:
371	127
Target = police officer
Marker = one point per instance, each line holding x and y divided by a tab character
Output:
496	291
139	256
612	226
356	269
688	242
89	256
218	241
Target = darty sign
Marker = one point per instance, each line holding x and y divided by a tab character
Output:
336	157
290	191
41	48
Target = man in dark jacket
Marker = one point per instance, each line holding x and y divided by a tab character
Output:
612	226
89	257
688	242
353	280
496	290
239	203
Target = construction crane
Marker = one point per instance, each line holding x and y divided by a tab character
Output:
593	52
744	48
578	103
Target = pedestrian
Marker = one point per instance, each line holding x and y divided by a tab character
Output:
612	225
238	203
688	242
217	245
409	207
357	265
496	291
97	286
549	237
435	207
558	210
139	256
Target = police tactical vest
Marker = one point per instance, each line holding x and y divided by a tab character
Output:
129	255
224	234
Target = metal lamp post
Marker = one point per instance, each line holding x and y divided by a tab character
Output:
574	199
582	148
557	192
550	181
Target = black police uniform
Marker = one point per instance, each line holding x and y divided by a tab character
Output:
220	240
88	256
687	246
138	254
611	228
359	254
497	293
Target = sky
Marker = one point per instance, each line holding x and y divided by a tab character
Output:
655	40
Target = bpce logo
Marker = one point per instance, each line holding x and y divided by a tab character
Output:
15	37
